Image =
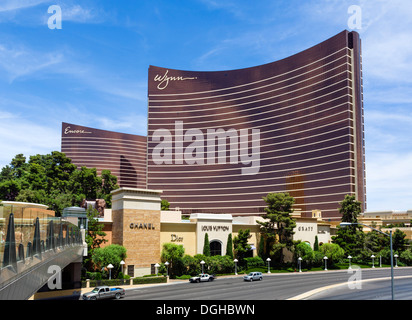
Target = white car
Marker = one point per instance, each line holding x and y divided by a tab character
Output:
203	277
253	276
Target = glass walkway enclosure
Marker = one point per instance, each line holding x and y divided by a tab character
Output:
34	245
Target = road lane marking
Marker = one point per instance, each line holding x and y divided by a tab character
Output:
307	294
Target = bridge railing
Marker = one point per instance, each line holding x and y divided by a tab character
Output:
27	235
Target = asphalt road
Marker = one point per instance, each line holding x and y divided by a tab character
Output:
286	286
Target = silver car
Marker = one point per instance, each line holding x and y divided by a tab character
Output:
253	276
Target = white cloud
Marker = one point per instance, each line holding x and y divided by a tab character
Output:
132	123
77	13
19	61
389	179
11	5
19	135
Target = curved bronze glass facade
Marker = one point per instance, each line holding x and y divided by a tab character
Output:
123	154
296	123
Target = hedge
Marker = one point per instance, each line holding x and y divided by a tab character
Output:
144	280
124	282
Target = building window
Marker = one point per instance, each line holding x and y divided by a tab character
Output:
215	248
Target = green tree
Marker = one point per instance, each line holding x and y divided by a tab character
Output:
372	241
18	165
304	251
9	190
406	257
241	246
173	253
316	244
53	180
229	246
85	183
350	209
206	246
399	241
350	238
278	230
112	254
94	237
165	204
333	251
109	183
261	248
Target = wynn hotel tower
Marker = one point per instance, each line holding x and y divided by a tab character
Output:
307	110
219	141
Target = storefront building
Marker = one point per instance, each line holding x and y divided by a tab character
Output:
137	222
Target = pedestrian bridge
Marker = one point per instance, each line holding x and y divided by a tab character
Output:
34	246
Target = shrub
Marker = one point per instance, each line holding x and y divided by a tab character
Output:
143	280
254	262
184	277
406	257
333	251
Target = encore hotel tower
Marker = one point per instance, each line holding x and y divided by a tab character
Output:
218	141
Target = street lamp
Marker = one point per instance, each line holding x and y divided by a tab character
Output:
235	261
268	260
300	264
349	257
345	224
157	268
110	267
122	263
326	259
373	261
380	260
202	263
396	260
167	268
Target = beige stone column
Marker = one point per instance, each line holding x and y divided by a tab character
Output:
136	226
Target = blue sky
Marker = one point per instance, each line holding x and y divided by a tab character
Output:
93	71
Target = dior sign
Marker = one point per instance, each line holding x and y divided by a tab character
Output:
175	238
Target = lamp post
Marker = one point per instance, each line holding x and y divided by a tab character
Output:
396	260
326	259
157	268
373	261
268	260
380	261
202	263
167	268
300	264
122	263
235	261
110	267
345	224
349	257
